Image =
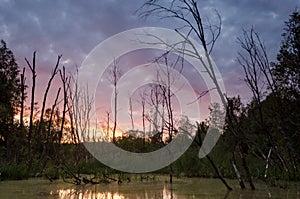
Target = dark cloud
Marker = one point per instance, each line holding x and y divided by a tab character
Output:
266	16
73	28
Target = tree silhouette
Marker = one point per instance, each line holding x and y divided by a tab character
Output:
287	69
10	89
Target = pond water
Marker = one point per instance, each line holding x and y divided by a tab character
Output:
182	188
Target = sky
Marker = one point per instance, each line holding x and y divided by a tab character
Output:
74	28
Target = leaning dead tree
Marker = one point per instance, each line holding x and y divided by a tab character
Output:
192	25
187	13
41	128
202	129
53	74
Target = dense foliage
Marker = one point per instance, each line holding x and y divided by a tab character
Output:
9	99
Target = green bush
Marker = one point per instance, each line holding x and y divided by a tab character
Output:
13	172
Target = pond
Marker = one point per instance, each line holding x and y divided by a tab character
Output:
182	188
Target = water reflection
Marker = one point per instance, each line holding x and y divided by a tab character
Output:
88	193
186	188
168	193
162	192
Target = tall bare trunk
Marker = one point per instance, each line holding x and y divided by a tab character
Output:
115	113
131	113
22	135
54	72
32	68
64	80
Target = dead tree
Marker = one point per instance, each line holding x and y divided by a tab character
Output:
234	111
53	74
258	75
143	97
115	74
202	128
70	110
22	102
82	105
107	123
72	103
65	80
81	111
30	132
207	33
131	113
165	80
49	136
39	130
23	87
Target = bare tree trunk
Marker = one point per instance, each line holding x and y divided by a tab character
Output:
107	123
54	72
115	76
143	117
218	172
267	163
201	129
64	80
115	113
235	168
130	113
155	96
49	136
192	20
246	167
256	65
75	121
143	103
22	101
70	109
165	87
237	173
22	132
32	68
234	107
74	131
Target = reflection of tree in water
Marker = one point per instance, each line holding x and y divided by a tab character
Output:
183	190
91	192
87	194
168	193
